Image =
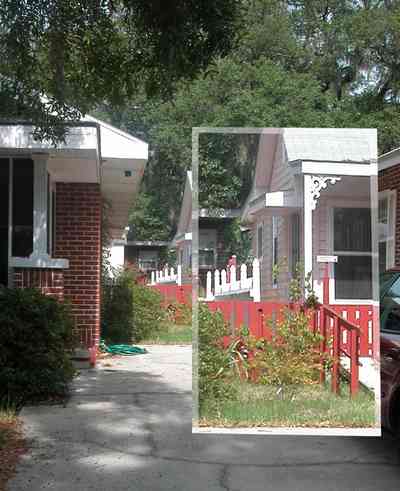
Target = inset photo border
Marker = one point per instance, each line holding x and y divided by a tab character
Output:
285	270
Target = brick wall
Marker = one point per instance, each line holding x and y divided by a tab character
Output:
78	239
49	281
390	179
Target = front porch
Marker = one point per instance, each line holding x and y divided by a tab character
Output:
51	211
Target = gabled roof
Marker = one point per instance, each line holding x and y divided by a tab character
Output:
291	151
330	144
389	159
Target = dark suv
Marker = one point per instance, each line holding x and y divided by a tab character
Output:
390	349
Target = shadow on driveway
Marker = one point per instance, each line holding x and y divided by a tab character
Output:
128	427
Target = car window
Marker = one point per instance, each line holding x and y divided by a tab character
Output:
385	280
390	308
394	290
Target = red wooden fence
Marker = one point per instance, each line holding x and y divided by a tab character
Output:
349	327
253	315
171	292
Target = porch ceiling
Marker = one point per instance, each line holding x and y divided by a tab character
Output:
93	151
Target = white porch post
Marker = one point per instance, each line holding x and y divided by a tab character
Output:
40	191
309	205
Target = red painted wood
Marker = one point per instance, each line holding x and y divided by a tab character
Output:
175	293
335	355
354	363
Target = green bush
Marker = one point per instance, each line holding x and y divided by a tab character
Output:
117	308
130	311
36	341
214	360
148	313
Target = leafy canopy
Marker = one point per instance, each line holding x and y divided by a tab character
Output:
59	59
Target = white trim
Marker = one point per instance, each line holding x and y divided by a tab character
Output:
275	250
391	196
389	159
308	226
44	261
39	258
339	168
260	226
40	202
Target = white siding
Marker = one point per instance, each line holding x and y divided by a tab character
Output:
281	173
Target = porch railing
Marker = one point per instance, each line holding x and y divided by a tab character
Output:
226	282
345	342
167	275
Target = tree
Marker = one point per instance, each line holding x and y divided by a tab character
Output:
59	59
295	63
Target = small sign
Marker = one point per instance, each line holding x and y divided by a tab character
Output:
326	259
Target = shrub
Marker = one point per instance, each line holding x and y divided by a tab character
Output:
214	360
36	341
179	313
293	354
130	311
117	307
148	313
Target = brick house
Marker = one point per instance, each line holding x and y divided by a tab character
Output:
51	202
389	215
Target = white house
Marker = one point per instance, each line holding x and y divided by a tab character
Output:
315	194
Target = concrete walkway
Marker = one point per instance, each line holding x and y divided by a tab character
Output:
128	427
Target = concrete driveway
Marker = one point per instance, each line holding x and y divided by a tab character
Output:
128	427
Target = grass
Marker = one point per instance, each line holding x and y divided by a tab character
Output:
307	406
11	443
171	334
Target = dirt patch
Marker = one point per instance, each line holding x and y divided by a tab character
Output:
12	446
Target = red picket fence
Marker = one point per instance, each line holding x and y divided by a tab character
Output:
171	292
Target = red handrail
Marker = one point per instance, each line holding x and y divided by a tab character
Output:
339	324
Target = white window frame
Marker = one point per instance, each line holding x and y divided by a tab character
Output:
39	258
331	205
275	250
391	196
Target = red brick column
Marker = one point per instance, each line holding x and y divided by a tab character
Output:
48	281
390	179
78	239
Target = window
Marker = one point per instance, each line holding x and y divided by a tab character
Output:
386	229
259	240
274	250
4	219
206	258
295	242
22	207
352	245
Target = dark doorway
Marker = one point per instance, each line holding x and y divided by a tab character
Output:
4	216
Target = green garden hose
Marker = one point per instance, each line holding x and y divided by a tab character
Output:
121	349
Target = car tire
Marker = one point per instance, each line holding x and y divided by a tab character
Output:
395	414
